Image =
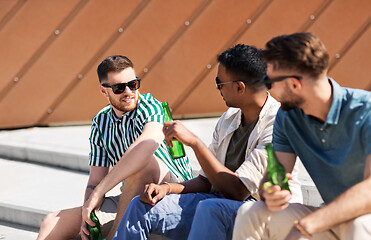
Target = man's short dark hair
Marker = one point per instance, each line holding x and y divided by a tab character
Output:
246	63
115	63
303	52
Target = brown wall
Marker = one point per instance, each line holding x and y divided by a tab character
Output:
50	49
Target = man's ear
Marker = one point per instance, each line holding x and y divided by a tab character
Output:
103	91
296	84
241	87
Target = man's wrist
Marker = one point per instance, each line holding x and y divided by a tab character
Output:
169	191
197	143
302	229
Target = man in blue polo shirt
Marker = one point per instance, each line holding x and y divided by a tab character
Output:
329	128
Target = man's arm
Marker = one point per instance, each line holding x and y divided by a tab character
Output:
353	203
95	176
218	175
134	159
154	192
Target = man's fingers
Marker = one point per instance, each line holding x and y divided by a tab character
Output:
157	198
275	198
84	232
289	176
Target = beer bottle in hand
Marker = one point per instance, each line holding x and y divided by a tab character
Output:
177	151
275	171
94	231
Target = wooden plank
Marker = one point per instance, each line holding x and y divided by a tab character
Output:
353	69
64	60
151	31
281	17
25	33
340	22
205	100
7	10
182	65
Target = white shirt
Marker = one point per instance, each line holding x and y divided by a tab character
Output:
252	169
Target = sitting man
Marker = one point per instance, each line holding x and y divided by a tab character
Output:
232	166
126	133
329	128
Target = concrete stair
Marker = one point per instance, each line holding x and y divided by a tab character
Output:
45	169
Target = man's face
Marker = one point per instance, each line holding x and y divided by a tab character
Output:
126	101
227	89
281	90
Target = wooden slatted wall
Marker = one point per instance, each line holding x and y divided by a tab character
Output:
50	49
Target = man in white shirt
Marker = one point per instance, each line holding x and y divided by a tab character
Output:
232	166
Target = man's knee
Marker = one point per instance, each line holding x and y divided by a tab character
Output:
251	207
209	206
49	221
154	172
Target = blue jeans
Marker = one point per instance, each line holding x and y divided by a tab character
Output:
173	217
214	219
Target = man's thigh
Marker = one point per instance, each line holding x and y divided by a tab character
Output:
172	216
358	228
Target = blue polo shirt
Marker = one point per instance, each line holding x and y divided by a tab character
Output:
334	152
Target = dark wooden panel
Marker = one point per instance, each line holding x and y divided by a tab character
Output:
23	35
64	60
353	69
143	40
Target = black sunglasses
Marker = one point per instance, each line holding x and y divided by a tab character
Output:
220	84
120	88
268	81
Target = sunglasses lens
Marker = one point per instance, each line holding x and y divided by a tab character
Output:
133	85
118	88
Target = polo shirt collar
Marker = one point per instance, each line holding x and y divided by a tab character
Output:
337	98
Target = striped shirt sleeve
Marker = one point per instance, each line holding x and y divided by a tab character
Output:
151	109
98	155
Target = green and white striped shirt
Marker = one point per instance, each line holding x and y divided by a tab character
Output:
110	136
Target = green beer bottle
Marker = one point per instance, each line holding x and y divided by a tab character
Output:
177	151
275	171
94	231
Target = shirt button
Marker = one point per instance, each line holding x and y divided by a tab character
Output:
323	140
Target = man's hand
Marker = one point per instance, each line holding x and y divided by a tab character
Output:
94	202
154	193
275	198
175	130
84	231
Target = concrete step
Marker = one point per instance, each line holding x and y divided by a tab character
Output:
45	169
29	191
10	231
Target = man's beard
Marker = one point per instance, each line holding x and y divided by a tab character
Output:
291	101
290	105
122	106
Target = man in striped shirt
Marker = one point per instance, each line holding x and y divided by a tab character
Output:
126	134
